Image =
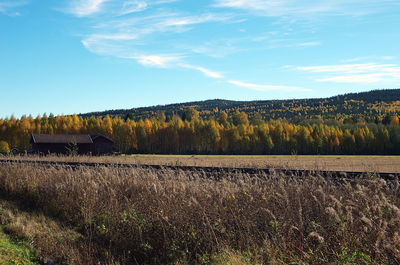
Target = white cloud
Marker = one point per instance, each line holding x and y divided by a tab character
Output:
368	78
156	60
291	43
192	20
205	71
267	87
134	29
356	73
129	36
160	2
83	8
348	68
387	57
133	7
130	41
112	37
7	8
105	44
274	7
364	58
308	44
212	48
278	8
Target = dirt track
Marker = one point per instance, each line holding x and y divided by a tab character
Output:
216	172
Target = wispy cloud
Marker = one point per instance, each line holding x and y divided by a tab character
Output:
205	71
367	78
192	20
267	87
365	58
278	8
112	37
133	7
156	60
133	30
105	44
308	44
216	49
291	43
348	68
355	73
135	36
8	7
83	8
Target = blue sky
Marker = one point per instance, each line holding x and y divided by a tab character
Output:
79	56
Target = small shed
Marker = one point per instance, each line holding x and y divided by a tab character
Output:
65	143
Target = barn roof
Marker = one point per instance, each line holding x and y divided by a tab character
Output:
99	135
61	138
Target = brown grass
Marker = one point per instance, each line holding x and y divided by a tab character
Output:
345	163
141	216
36	229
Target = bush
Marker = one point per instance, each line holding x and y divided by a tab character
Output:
4	147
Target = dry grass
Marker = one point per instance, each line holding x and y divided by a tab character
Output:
141	216
345	163
53	241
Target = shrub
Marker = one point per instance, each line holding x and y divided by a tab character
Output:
4	147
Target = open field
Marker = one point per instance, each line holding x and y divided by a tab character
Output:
344	163
108	215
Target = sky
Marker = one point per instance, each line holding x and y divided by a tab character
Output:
78	56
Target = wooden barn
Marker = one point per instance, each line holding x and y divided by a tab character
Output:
67	143
102	144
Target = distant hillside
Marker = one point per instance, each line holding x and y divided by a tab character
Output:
366	105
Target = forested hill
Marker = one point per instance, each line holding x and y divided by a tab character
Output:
369	106
365	123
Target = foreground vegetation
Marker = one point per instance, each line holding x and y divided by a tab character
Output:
141	216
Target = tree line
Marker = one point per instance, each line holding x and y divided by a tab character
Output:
221	134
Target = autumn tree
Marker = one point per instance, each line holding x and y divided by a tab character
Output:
191	114
216	135
257	119
223	118
239	117
4	147
395	120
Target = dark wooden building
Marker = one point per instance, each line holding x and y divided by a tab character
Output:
68	143
102	145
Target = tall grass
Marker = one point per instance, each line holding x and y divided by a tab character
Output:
142	216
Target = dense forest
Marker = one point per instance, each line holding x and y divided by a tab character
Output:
219	134
371	107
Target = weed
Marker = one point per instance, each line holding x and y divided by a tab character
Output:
146	216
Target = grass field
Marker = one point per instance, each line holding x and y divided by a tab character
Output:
111	215
344	163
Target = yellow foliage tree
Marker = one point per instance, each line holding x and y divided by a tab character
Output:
4	147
